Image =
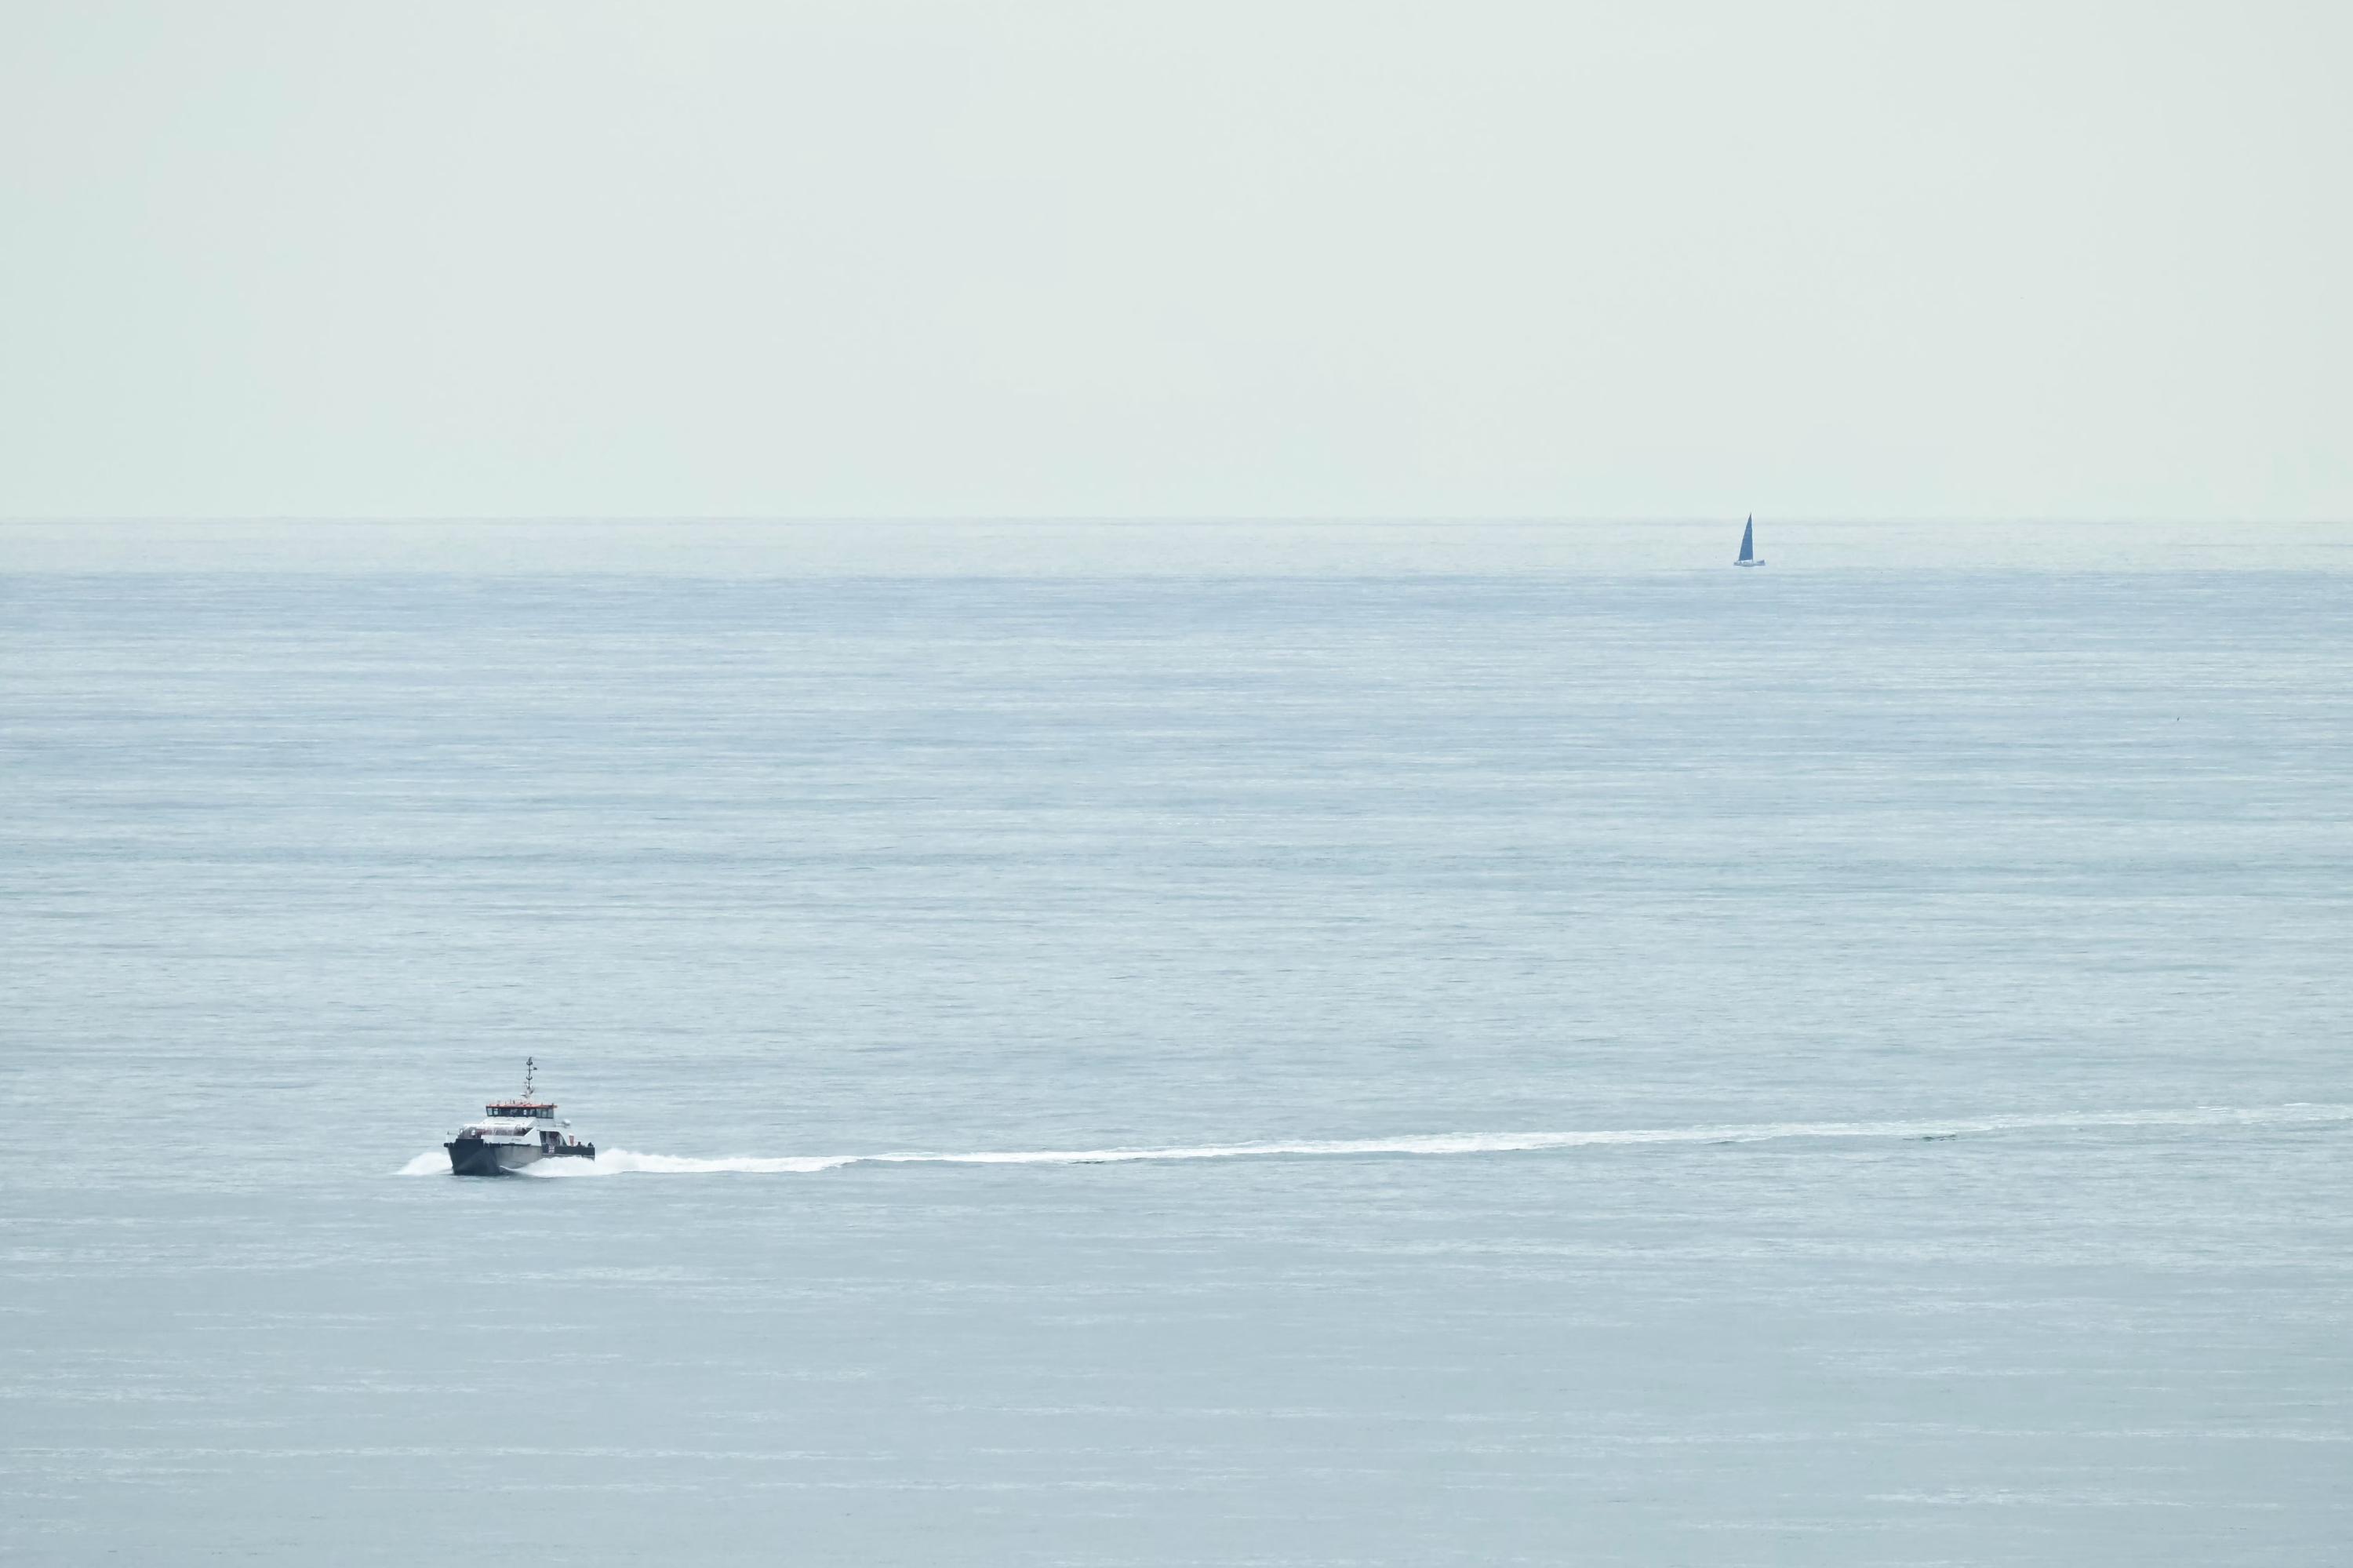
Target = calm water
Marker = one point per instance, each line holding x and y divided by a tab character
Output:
1844	1066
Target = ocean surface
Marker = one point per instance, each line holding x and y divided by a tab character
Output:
1321	1046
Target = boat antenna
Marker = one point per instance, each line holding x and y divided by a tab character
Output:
529	1067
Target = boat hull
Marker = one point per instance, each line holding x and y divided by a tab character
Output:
474	1157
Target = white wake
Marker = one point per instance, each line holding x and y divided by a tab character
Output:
622	1162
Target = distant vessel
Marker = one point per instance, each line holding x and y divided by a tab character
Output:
514	1134
1748	546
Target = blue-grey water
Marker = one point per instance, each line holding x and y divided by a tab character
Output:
1837	1067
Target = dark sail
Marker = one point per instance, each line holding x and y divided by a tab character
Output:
1748	541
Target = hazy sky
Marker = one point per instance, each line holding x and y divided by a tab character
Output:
1355	259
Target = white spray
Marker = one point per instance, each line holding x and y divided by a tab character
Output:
621	1161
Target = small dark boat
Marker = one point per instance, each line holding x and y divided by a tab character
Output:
514	1134
1748	546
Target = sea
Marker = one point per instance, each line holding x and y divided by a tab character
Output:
1139	1045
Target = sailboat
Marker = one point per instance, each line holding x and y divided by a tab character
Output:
1749	545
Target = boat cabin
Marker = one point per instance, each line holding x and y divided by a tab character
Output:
539	1109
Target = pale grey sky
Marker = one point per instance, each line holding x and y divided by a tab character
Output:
878	259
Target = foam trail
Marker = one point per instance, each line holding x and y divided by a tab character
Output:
619	1161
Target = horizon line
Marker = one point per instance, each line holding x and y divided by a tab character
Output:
1162	520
